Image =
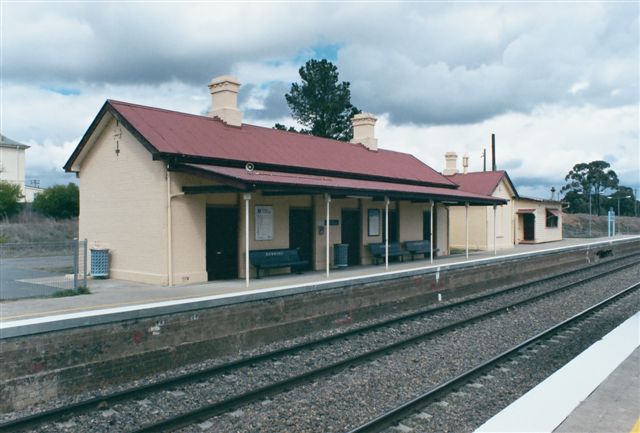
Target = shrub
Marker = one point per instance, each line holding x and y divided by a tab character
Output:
58	201
10	196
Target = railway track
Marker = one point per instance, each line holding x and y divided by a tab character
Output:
261	392
413	406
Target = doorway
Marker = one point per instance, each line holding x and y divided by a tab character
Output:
222	243
301	234
350	231
426	227
529	226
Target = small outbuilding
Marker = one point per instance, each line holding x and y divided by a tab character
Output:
181	198
521	220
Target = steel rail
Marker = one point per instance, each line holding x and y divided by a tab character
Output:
22	423
210	410
403	411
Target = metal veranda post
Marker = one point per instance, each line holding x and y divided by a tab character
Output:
386	232
431	232
327	199
247	199
495	249
466	224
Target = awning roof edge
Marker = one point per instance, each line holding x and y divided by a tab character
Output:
244	180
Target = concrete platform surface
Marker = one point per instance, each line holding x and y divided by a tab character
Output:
110	294
597	392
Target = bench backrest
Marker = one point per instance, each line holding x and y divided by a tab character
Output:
418	245
377	249
274	257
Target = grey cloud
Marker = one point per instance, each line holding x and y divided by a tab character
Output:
422	63
275	104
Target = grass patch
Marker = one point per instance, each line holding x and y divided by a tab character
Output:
70	292
60	270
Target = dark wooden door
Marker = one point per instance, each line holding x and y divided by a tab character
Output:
350	230
426	226
301	233
222	243
393	226
529	222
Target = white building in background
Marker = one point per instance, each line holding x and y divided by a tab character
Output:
12	158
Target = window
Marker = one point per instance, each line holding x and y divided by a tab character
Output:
552	217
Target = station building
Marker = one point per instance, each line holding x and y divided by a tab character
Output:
180	198
521	220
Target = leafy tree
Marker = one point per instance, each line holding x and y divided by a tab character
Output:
10	195
587	179
58	201
320	103
281	127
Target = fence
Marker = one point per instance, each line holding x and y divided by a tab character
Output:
42	268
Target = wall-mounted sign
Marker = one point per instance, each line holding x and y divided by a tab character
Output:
332	222
264	223
373	222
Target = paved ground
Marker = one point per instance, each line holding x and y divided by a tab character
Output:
115	293
613	407
34	276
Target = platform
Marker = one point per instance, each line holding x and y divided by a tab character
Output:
597	392
116	295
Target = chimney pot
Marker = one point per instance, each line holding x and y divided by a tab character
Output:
465	163
451	163
364	130
224	99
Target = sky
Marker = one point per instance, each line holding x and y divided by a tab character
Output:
556	82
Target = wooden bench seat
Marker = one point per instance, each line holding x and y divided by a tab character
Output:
419	247
277	258
395	250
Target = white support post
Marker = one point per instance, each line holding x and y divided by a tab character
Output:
495	249
466	224
431	232
247	199
327	199
386	232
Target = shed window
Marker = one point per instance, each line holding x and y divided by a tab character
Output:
552	217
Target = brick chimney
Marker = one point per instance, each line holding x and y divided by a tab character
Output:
224	100
364	130
451	163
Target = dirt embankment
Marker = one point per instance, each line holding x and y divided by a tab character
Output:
577	225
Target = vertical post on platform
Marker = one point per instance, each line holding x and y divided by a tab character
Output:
495	249
327	199
84	254
386	232
431	232
466	225
247	199
76	247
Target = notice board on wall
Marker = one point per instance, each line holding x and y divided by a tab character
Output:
264	223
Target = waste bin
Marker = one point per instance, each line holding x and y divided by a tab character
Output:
340	255
100	263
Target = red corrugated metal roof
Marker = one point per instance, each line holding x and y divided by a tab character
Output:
201	136
479	182
275	178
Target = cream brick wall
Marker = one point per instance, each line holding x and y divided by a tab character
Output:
123	206
477	227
